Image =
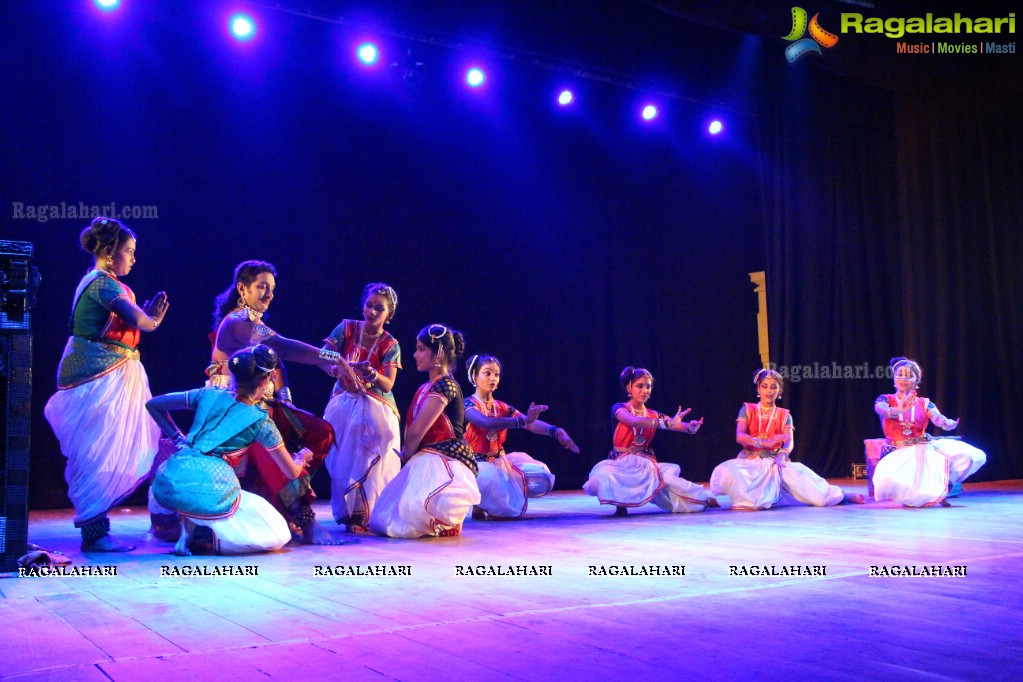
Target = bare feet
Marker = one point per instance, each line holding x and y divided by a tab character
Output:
181	546
621	511
713	502
450	532
945	503
853	498
312	534
106	544
357	528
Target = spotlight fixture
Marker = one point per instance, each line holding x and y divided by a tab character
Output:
242	27
715	127
649	112
565	98
475	77
368	54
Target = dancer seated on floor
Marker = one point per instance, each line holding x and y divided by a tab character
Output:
238	323
762	472
631	476
915	469
505	480
198	482
436	487
362	410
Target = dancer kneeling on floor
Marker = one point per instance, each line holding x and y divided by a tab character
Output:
505	480
436	487
915	469
762	475
631	476
198	483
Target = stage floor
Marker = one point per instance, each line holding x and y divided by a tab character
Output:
585	620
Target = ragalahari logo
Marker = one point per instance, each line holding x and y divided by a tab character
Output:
801	46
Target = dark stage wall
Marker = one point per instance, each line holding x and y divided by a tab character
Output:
568	245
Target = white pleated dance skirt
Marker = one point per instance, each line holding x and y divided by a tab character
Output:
919	475
632	480
763	482
430	494
363	460
107	436
507	483
254	527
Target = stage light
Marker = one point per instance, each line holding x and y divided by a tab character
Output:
242	27
475	77
108	5
368	54
715	127
649	112
565	98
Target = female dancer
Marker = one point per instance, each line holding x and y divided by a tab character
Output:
437	486
757	478
362	411
98	412
631	476
198	481
505	480
914	469
238	322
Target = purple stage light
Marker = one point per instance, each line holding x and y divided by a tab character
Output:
649	112
475	77
715	127
242	27
368	54
565	98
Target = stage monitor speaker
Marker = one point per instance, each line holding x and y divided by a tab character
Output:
18	283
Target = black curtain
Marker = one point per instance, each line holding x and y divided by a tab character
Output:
893	228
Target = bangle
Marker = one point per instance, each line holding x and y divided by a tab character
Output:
284	394
156	322
373	379
758	444
331	355
178	437
552	431
891	413
520	422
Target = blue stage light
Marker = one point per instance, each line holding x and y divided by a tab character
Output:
242	27
649	112
108	5
565	98
368	54
715	127
475	77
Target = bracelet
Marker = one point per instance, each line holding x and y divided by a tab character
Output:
758	444
178	437
376	375
520	422
284	394
156	322
552	431
331	355
662	423
891	413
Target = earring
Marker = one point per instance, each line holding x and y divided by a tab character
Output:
241	302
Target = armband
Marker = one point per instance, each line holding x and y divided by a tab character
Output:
331	355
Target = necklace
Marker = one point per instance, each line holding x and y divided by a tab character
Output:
637	432
765	426
907	426
356	352
489	408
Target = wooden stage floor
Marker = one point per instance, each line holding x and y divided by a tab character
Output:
287	622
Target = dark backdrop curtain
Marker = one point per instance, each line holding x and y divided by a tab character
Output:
893	228
961	228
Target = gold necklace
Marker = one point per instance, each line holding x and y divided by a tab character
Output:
637	432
